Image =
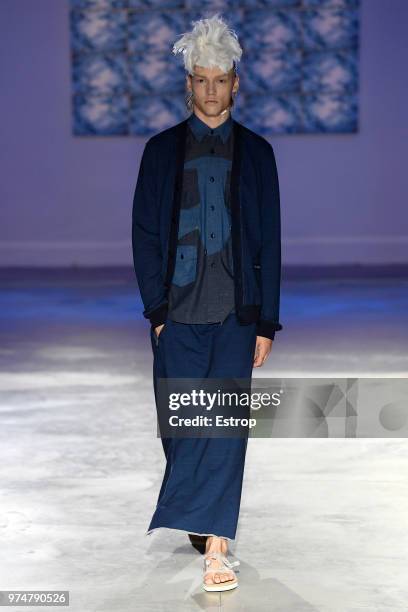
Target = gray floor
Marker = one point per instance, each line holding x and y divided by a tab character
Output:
323	523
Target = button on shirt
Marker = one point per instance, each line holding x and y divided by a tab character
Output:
202	288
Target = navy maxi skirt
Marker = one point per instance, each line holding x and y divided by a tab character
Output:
202	483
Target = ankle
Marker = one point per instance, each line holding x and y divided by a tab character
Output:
216	544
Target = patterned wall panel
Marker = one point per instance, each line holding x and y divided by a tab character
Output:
298	72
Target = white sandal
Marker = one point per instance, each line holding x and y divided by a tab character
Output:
227	565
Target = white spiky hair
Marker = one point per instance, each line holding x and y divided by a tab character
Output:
210	44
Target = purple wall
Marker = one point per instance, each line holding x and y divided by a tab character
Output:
67	200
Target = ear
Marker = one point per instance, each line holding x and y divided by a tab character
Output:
188	81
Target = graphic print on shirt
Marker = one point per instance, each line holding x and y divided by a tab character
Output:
202	287
215	222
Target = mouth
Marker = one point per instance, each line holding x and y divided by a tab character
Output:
211	101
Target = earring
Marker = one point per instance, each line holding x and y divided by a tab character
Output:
189	99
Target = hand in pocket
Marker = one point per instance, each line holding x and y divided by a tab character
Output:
158	329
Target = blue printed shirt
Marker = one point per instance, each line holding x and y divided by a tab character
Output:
202	288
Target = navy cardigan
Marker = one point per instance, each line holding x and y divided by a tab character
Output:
255	220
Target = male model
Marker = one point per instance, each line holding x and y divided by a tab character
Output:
207	256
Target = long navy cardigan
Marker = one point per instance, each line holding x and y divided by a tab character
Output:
255	220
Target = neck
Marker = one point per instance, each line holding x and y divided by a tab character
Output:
212	121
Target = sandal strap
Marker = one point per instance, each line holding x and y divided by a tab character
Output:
222	571
220	557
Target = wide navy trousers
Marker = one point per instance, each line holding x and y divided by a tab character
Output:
202	483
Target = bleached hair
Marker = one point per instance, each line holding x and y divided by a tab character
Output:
210	44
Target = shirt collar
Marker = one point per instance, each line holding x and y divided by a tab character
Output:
200	129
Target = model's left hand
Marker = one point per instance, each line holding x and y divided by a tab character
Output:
262	349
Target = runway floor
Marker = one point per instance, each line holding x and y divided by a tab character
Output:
324	521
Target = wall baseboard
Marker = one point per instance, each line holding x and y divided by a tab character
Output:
308	250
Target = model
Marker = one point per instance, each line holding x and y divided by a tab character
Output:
207	256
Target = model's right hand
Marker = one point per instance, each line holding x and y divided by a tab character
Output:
158	329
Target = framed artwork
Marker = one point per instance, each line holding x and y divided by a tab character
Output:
298	72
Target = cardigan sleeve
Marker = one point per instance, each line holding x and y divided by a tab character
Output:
147	252
270	259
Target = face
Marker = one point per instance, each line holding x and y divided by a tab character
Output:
212	89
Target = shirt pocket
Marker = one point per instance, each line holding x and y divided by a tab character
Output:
186	265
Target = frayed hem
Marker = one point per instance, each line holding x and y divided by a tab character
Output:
150	531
